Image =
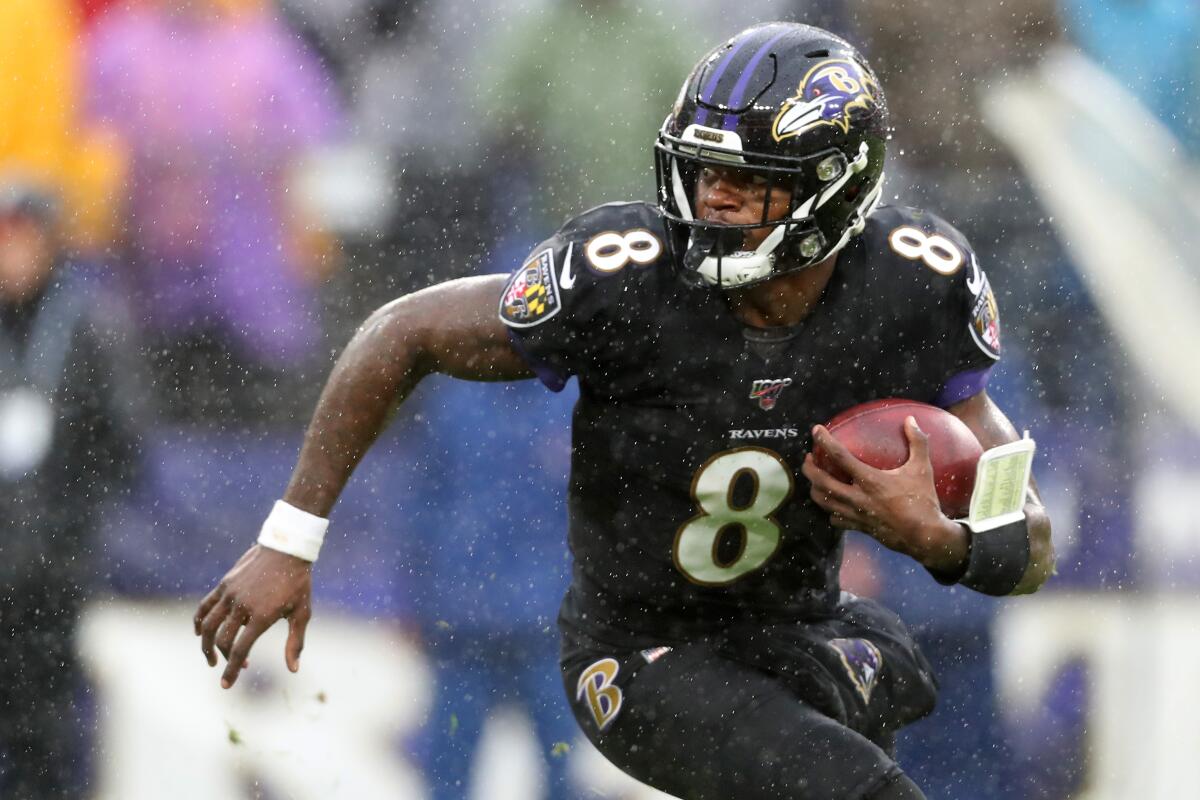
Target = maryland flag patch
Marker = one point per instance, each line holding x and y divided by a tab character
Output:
531	296
985	321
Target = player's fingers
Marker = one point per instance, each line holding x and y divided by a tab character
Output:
827	484
236	660
297	625
229	631
810	469
206	605
208	628
837	507
918	441
838	453
829	500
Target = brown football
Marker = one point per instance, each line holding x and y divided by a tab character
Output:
874	433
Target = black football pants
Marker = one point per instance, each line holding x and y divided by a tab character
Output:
700	725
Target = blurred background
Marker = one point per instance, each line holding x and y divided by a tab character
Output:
199	201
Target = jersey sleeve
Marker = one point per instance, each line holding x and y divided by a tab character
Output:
950	305
971	318
568	297
974	337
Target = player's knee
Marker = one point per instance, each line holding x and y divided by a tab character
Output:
812	757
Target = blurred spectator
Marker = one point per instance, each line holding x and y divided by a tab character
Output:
38	93
68	443
41	134
577	93
410	119
217	102
345	32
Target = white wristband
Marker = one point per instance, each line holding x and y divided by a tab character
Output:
292	531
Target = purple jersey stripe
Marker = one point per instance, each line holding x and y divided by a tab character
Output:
547	374
961	386
739	88
710	87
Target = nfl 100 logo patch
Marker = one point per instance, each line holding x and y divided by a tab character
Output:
985	320
767	391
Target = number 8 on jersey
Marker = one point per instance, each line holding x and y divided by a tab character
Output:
696	543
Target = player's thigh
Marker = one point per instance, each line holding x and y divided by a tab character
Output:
701	727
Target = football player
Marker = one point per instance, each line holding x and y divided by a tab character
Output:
706	647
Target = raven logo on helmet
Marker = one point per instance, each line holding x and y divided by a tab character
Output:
828	95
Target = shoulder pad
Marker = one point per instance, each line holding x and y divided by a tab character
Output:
946	271
920	237
599	252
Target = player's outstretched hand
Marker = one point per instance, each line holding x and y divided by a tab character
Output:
899	507
263	587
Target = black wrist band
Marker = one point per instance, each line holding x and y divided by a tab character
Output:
998	559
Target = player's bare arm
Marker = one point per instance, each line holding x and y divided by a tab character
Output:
900	507
451	329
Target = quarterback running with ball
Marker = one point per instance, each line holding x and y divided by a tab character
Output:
707	648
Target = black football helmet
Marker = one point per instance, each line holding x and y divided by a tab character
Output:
795	105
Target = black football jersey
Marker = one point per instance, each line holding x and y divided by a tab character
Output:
688	510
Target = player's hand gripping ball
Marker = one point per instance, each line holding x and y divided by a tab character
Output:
874	433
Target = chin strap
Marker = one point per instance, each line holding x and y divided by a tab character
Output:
731	267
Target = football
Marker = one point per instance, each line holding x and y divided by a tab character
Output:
874	433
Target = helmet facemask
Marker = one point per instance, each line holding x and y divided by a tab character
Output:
712	253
